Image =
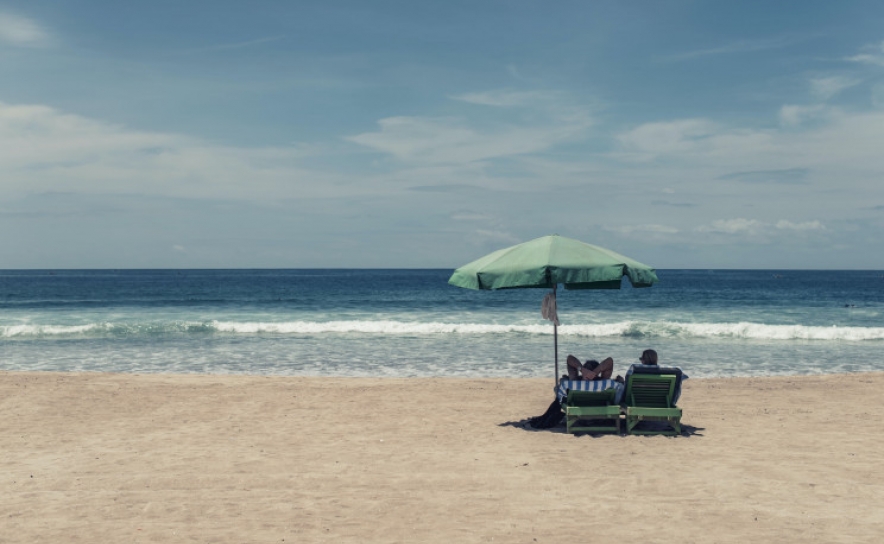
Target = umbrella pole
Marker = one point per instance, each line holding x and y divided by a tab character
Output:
556	343
556	340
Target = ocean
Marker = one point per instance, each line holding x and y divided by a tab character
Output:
412	323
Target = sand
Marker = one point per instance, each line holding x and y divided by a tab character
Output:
162	458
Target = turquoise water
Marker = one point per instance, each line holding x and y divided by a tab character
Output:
412	323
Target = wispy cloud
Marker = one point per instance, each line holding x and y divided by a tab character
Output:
740	46
754	227
485	237
665	138
733	226
462	140
792	115
878	95
783	224
470	215
20	31
838	142
444	140
874	55
788	176
673	204
513	70
444	188
642	229
825	88
45	150
232	46
507	98
452	140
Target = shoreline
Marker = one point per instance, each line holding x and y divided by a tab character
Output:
252	458
236	375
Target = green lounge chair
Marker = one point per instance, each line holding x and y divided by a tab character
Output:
597	409
649	397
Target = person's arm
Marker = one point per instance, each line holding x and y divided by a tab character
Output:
574	367
604	370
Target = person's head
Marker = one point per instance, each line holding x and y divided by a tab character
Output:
592	364
649	357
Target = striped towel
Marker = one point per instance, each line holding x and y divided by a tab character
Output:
588	385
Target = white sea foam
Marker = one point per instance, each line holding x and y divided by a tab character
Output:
626	329
758	331
101	329
378	327
11	331
754	331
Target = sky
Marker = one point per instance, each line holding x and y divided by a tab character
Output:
329	134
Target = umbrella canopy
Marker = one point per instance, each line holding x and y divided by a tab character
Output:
547	262
551	260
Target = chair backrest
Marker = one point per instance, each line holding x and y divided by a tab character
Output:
650	390
591	398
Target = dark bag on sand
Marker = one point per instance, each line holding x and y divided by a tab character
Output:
552	417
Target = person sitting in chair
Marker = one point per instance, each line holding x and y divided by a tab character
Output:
594	370
649	357
648	364
591	370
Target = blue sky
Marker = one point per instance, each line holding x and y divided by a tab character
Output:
425	134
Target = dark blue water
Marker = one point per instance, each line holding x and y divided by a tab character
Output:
412	323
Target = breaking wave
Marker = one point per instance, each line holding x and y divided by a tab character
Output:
626	329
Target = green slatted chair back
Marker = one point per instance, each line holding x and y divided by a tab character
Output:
591	398
650	391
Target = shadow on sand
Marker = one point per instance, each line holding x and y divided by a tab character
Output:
525	425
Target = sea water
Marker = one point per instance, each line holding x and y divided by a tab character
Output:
412	323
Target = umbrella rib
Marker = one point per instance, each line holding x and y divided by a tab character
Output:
548	260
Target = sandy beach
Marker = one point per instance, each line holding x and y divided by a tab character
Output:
204	458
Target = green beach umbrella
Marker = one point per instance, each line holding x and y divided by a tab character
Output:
547	262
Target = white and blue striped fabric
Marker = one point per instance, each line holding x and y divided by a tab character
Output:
588	385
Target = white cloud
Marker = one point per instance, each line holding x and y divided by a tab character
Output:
22	32
823	142
44	150
825	88
791	115
741	46
698	141
506	98
843	142
840	144
513	70
789	176
868	59
642	229
878	96
545	119
875	55
468	215
644	232
783	224
754	227
733	226
453	141
652	139
484	237
234	46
